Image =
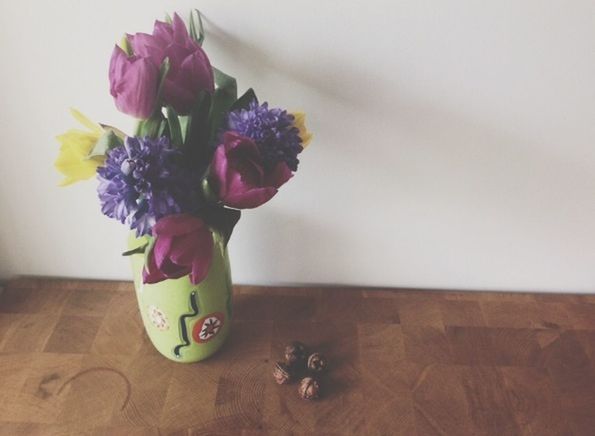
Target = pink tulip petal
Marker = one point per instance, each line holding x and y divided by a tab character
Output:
190	72
219	170
244	158
146	46
251	173
174	225
116	67
161	250
133	83
239	173
153	277
202	263
163	33
238	182
173	271
279	176
250	199
178	96
180	33
184	248
152	274
234	140
184	245
196	70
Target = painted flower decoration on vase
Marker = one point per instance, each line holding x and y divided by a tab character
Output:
190	71
183	245
143	181
240	175
75	145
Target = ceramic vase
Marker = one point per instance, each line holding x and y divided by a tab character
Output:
185	322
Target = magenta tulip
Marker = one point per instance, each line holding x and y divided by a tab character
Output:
133	84
183	245
190	71
239	176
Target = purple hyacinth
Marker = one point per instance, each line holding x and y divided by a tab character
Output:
142	181
271	129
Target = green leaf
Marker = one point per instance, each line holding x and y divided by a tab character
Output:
168	19
117	131
196	28
137	245
151	126
222	219
207	191
148	250
184	121
125	45
163	71
106	142
196	139
175	130
226	93
162	129
197	117
136	250
244	101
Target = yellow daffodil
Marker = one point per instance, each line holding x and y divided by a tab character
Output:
300	123
75	145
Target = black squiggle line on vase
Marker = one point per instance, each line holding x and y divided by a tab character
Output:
183	329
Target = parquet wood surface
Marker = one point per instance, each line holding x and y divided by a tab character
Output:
74	359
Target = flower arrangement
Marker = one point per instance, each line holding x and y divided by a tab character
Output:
198	156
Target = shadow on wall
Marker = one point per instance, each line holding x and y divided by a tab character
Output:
405	121
256	60
410	156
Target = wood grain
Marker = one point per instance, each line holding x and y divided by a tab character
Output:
74	359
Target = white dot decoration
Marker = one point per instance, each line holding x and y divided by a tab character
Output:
158	318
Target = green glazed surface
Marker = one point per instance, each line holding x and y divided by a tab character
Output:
171	309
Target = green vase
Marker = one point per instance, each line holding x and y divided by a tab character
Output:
185	322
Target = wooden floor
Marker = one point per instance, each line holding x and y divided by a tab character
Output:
74	359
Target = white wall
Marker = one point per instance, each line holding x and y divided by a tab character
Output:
454	141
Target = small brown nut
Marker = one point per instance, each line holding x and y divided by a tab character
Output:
295	354
316	362
282	373
309	388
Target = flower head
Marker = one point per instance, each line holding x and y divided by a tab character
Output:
133	83
273	130
143	181
190	71
183	245
239	175
75	146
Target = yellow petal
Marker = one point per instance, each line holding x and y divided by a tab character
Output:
75	146
94	127
78	142
74	168
300	123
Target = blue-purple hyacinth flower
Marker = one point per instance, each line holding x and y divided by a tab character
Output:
272	129
142	181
